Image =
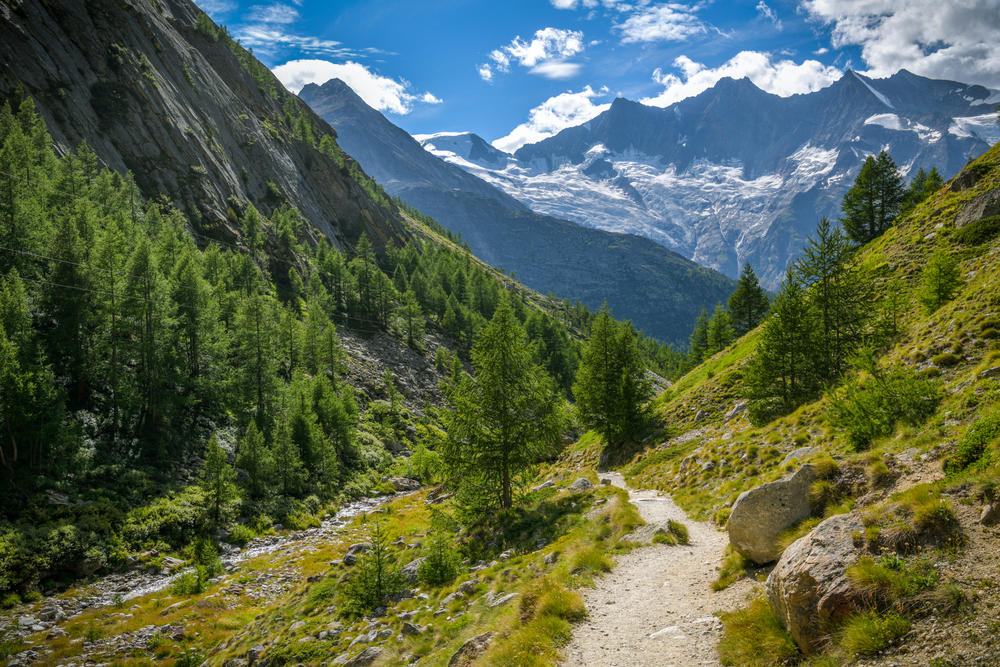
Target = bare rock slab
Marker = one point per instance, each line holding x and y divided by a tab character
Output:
808	588
471	649
760	514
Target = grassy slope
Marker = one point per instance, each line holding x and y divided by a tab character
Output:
745	456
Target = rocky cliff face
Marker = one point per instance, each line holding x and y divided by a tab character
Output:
660	291
154	87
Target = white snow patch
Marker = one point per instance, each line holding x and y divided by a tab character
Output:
983	127
992	99
882	98
891	121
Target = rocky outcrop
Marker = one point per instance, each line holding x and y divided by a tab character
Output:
760	514
808	588
977	208
470	650
582	484
403	484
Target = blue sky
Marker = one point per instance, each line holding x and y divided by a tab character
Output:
516	71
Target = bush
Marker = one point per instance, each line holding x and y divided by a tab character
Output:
870	408
440	565
868	633
971	450
754	636
240	534
946	359
978	232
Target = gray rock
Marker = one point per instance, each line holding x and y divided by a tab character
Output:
359	548
808	588
411	569
547	484
979	207
501	600
506	555
990	515
350	559
582	484
551	558
760	514
739	407
411	629
989	373
800	453
403	484
366	657
471	649
467	587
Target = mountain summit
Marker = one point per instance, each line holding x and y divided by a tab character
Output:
737	174
659	290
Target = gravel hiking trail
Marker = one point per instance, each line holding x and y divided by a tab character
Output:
656	607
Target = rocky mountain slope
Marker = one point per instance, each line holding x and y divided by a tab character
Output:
735	174
156	88
660	291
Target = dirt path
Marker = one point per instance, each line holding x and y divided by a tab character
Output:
656	607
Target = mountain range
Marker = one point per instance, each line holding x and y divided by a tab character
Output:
734	174
659	290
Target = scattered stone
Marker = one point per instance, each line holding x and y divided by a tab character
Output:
739	407
990	515
402	484
366	657
582	484
989	373
762	513
551	558
411	629
359	548
470	650
506	555
808	588
467	587
547	484
56	498
411	569
350	559
800	453
502	600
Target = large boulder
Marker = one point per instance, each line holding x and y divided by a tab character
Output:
979	207
760	514
470	650
808	588
402	484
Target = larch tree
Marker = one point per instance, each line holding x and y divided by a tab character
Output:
748	303
874	201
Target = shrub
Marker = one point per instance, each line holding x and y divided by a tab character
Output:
946	359
870	407
754	636
240	534
868	633
978	232
440	565
974	444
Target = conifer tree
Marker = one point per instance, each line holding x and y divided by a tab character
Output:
720	331
748	303
502	417
699	338
217	481
874	201
611	386
255	459
289	473
939	281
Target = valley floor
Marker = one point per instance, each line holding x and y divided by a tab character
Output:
657	606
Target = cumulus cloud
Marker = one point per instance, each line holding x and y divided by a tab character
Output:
781	77
546	54
379	92
950	40
274	13
764	10
671	22
554	114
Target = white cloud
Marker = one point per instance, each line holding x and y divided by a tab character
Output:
379	92
554	114
216	7
956	39
671	22
782	77
547	54
768	13
275	13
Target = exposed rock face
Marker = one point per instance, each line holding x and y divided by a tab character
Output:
191	114
403	483
808	587
470	650
977	208
411	569
760	514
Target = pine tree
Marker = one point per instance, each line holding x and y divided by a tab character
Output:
611	385
781	373
874	201
748	303
699	338
217	481
289	473
502	418
939	281
255	459
720	331
413	319
839	295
